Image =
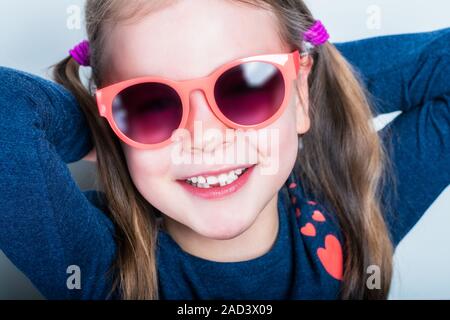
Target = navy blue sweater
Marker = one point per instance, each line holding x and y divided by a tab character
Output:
47	224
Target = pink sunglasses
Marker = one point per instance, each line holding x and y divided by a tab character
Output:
245	93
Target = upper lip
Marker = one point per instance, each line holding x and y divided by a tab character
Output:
215	172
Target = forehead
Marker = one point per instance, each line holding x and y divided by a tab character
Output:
190	39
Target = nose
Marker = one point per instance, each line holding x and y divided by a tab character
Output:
206	130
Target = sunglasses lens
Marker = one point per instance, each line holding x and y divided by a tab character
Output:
147	113
250	93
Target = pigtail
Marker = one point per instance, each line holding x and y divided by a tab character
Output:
342	164
134	270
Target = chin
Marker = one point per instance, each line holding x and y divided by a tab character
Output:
223	226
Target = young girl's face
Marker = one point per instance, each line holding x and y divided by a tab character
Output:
187	40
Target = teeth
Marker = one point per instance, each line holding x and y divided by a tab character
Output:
203	185
201	180
232	176
212	180
221	180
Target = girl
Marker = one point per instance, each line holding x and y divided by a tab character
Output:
167	230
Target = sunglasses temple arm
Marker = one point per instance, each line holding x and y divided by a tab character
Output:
297	58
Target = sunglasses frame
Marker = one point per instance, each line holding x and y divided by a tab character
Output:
287	63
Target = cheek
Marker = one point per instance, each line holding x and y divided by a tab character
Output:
288	131
151	173
149	169
282	147
147	162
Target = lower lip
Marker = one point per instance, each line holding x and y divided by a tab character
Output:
214	193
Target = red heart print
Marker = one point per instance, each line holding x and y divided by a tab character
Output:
292	185
294	199
318	216
308	230
297	212
331	256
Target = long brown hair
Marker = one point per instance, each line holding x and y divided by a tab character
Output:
342	162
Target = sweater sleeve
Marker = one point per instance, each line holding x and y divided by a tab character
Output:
394	67
48	227
410	73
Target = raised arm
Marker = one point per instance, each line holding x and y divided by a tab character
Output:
397	68
46	223
410	73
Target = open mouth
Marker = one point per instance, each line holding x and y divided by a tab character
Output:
216	181
213	186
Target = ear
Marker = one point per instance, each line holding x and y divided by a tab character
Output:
302	105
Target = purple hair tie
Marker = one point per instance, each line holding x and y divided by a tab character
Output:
316	34
81	53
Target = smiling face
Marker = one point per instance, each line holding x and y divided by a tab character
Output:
188	40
